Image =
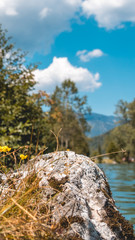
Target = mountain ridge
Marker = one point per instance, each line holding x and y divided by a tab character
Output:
100	123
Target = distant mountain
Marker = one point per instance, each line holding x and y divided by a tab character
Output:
100	124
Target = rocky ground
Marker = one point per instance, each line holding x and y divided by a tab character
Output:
60	195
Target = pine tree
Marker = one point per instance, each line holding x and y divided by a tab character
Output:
68	113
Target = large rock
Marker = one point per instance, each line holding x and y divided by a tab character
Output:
81	203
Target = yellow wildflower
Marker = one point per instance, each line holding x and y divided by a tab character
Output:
68	149
5	149
23	156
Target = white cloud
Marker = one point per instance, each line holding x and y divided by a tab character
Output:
35	24
74	2
11	12
86	56
38	22
8	8
44	13
110	13
61	69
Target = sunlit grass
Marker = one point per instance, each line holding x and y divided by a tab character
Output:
25	213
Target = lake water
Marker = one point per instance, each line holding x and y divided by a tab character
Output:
121	178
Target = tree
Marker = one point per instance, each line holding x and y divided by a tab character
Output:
67	113
131	113
99	153
123	136
112	148
22	120
122	111
15	80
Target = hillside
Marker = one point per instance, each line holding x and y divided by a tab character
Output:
100	123
97	141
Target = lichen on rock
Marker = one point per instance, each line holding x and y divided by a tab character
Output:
68	195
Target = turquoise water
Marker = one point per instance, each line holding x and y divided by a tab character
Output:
121	178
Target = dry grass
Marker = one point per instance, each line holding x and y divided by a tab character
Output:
24	214
27	212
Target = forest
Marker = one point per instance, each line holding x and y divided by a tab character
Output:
121	137
25	122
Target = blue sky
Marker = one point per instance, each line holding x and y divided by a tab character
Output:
89	41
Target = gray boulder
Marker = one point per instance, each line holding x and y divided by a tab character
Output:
81	203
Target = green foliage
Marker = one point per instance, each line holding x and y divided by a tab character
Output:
123	136
99	153
22	120
122	111
131	113
67	113
15	80
112	148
